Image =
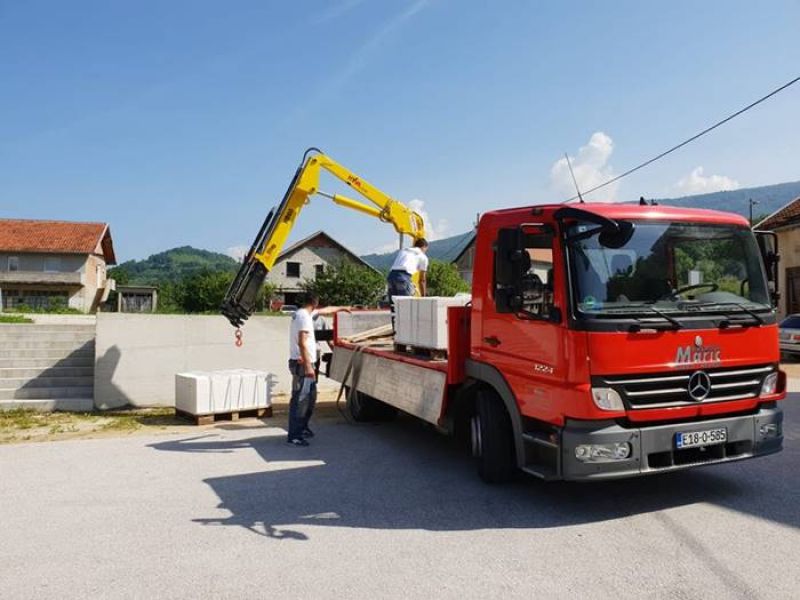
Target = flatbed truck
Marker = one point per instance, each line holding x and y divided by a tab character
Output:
601	341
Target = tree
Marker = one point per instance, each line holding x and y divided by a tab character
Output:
347	284
203	291
444	279
120	275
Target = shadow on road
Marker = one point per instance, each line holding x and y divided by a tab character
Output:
402	475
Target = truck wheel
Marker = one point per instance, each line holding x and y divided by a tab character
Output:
364	408
492	439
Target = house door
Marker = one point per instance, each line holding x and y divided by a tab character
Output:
792	290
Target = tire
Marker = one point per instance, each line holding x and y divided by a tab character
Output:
492	439
364	408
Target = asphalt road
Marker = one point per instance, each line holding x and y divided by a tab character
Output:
380	511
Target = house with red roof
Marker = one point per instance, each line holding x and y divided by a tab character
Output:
44	264
785	222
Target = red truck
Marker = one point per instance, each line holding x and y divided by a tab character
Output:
602	341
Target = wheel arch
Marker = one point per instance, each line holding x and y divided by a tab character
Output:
490	376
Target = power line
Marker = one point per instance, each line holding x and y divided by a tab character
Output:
687	141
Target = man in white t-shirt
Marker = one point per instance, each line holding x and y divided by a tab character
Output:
407	263
302	366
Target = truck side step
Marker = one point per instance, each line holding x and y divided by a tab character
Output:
542	473
542	455
537	437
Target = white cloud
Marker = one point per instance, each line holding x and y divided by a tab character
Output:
434	230
237	252
591	168
698	183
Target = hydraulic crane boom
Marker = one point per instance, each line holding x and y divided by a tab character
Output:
241	296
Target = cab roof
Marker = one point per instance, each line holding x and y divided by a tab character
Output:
659	212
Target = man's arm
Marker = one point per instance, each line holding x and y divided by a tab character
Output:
329	310
308	365
423	283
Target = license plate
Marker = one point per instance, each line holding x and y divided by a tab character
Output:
708	437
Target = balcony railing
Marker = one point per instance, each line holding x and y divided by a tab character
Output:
40	278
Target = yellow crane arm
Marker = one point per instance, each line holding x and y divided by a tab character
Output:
241	296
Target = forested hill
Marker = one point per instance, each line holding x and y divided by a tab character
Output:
172	266
769	197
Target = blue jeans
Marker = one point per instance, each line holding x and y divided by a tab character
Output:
400	284
304	397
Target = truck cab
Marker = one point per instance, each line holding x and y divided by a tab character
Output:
622	340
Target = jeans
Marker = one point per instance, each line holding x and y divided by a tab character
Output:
400	284
304	397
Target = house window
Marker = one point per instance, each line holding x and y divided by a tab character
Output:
293	269
13	263
52	264
319	270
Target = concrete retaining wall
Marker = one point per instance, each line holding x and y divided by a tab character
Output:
137	356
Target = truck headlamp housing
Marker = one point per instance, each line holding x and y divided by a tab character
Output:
607	399
770	384
603	452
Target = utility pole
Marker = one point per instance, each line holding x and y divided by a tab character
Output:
752	202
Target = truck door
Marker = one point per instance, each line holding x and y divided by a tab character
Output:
523	326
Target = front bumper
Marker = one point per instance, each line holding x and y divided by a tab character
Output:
654	451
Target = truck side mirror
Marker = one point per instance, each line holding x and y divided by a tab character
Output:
768	246
509	266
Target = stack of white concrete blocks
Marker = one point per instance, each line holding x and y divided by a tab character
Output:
422	322
214	392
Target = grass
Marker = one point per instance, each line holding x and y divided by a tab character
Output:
15	319
22	424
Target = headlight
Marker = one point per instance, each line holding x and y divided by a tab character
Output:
603	452
770	384
607	399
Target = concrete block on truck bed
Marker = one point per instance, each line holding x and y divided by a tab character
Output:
422	322
215	392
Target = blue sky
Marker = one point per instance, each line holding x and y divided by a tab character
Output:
182	122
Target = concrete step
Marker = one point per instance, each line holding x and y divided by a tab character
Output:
50	404
46	393
48	371
54	353
43	382
44	338
84	360
32	328
31	344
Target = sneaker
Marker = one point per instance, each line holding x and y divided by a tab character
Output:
297	442
307	433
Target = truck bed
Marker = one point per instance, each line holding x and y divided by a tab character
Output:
416	385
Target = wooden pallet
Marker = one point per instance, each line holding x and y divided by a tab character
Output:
235	415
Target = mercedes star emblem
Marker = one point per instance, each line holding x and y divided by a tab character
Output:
698	341
699	386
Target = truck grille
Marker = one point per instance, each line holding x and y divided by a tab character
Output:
665	390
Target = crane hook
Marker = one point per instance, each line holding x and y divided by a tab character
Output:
238	336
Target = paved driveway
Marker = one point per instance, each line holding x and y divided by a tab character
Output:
374	511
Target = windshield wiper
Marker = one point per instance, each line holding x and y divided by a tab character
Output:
739	305
676	324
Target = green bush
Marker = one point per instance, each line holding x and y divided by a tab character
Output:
444	280
347	284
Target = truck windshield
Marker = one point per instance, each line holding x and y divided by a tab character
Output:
668	268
